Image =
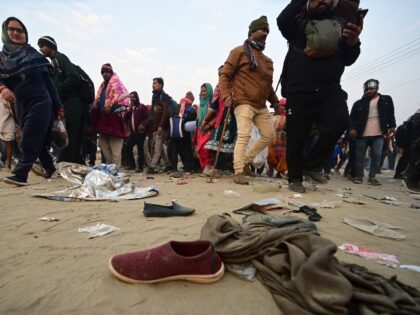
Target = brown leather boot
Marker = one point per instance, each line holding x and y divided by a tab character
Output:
240	179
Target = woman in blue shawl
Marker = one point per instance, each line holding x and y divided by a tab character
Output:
25	82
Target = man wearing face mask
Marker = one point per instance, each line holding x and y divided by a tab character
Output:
371	118
246	83
320	47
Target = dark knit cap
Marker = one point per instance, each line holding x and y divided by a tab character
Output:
47	41
258	24
107	68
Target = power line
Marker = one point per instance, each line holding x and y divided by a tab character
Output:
381	67
403	84
381	64
387	55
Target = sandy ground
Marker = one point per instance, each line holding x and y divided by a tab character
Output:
51	268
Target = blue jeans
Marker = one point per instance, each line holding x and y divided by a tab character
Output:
375	144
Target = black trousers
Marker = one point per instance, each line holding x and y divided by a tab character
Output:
403	162
329	114
35	126
413	170
181	147
349	170
187	158
135	139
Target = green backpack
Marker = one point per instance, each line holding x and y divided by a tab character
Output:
322	37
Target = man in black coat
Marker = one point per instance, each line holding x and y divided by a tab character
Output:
371	118
413	137
311	82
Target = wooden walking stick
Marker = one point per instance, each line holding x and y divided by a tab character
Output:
220	143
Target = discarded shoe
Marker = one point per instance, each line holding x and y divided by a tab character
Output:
155	210
312	214
14	180
195	261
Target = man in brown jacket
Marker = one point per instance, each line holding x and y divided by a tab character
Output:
246	83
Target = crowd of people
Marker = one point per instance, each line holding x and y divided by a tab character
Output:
309	134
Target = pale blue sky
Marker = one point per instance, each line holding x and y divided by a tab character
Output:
185	41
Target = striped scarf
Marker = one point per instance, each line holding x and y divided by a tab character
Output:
248	44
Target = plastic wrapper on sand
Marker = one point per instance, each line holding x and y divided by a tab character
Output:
98	185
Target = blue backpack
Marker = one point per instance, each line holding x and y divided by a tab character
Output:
176	125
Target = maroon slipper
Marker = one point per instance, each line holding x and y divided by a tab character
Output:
194	261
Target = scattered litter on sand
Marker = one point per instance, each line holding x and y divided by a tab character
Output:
362	251
267	187
103	184
99	229
388	198
375	228
262	206
48	219
410	267
231	194
354	201
326	204
245	271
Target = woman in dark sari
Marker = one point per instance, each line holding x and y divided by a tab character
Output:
25	81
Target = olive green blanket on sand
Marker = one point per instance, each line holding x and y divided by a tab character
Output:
300	270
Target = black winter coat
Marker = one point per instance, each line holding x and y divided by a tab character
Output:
360	112
303	74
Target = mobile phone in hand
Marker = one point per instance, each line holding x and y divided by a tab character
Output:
360	15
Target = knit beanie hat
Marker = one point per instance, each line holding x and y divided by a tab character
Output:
371	83
258	24
47	41
107	68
